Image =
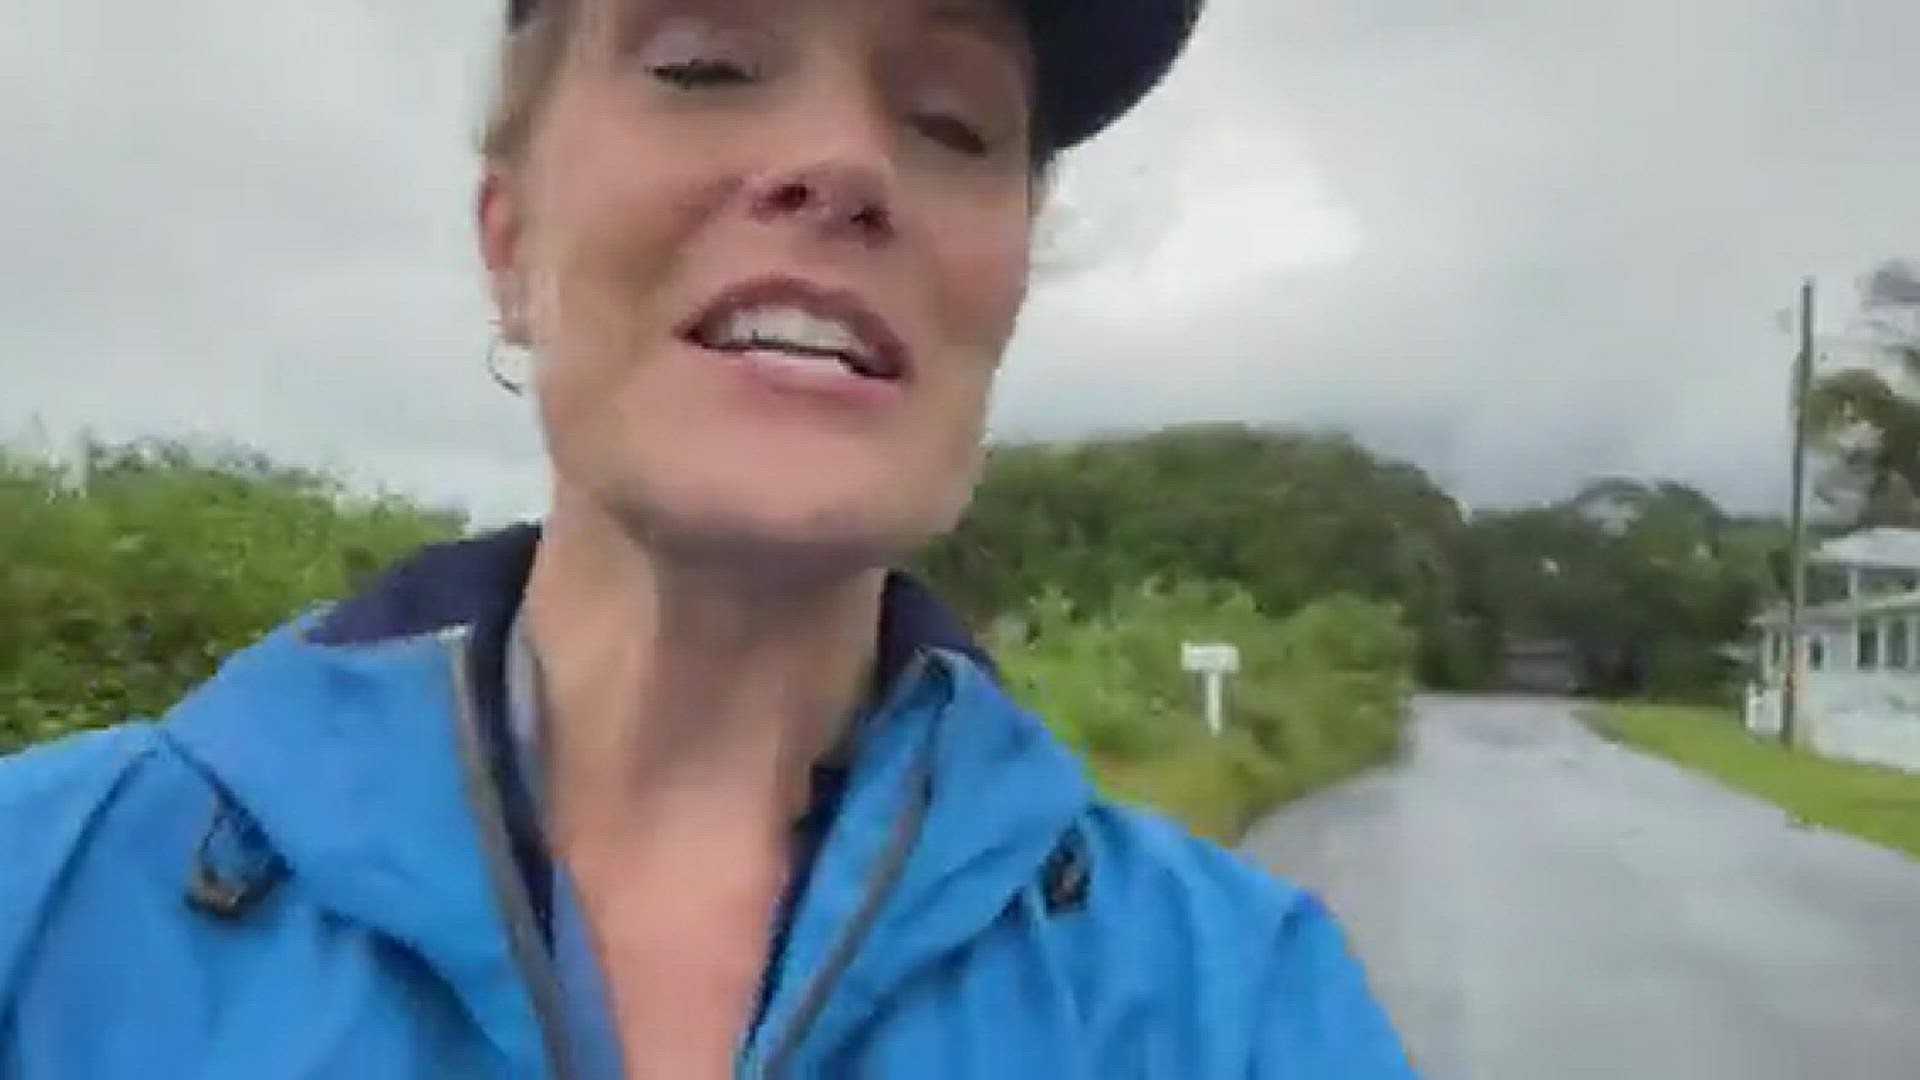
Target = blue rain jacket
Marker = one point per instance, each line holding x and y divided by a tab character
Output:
323	863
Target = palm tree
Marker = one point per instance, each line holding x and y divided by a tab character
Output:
1865	420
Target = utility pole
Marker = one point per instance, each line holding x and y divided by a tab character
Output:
1797	524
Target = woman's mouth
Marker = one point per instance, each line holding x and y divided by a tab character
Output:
798	326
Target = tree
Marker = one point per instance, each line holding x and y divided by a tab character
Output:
1646	581
1865	418
1291	517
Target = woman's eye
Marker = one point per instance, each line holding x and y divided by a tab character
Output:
952	132
695	74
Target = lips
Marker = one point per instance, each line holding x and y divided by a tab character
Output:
801	322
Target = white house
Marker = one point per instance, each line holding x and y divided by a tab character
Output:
1860	652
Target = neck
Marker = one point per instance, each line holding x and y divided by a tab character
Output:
675	689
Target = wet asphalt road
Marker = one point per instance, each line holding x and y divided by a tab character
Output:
1534	903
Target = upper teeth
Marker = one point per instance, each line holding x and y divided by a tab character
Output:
779	325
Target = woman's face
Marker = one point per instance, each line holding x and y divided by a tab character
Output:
768	254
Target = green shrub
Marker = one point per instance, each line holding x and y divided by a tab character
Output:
1320	695
114	601
1215	788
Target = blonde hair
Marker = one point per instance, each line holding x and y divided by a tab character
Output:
530	59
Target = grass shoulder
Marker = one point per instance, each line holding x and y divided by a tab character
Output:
1873	803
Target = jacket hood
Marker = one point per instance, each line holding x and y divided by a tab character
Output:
339	737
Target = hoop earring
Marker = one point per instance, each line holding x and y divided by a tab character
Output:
496	362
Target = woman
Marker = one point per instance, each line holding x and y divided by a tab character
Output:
684	783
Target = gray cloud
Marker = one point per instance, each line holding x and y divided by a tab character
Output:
1521	243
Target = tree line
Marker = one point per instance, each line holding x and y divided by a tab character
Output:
175	555
1647	583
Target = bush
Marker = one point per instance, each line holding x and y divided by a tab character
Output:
115	600
1320	695
1215	787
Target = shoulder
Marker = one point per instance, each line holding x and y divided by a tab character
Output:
53	799
99	808
56	799
52	795
1147	859
69	767
1247	960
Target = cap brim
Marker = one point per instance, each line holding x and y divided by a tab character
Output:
1098	58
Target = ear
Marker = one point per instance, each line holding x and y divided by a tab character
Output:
497	213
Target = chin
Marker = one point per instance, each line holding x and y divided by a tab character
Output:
789	531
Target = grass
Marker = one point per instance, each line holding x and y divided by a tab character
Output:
1873	803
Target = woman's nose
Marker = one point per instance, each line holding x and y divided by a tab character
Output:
845	197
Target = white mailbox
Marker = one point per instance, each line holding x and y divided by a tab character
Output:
1213	662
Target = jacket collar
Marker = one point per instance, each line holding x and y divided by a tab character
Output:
478	583
336	735
475	586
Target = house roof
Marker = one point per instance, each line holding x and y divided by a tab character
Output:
1891	603
1885	548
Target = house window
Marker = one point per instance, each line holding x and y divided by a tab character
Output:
1816	652
1867	647
1899	645
1878	582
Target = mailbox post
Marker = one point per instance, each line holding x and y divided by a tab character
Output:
1213	662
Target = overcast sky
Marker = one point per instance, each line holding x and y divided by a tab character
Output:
1520	242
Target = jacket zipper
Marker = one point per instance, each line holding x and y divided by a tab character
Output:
524	939
893	863
820	989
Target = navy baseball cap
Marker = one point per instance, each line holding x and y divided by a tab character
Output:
1097	58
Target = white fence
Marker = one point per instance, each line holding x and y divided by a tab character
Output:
1856	716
